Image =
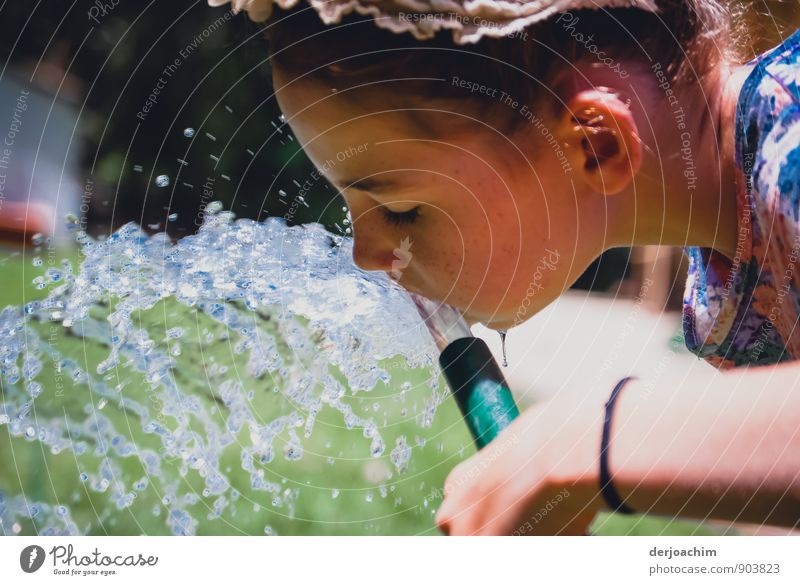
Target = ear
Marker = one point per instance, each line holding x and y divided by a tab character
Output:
602	139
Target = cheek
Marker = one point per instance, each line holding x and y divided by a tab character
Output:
508	259
478	249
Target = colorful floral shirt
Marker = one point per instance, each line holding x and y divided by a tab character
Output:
745	310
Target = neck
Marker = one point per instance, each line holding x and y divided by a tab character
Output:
685	192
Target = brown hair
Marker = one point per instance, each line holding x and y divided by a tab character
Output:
686	37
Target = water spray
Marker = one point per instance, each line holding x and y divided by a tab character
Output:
475	379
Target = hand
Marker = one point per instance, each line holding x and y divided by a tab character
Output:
539	476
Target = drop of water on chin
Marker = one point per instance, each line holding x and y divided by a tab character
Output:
502	333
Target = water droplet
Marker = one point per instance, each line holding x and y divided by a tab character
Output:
293	452
84	476
37	239
172	217
162	181
334	493
377	447
188	132
37	261
502	333
401	454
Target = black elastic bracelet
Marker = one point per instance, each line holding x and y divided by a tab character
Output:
607	489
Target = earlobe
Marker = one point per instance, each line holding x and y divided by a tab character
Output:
603	140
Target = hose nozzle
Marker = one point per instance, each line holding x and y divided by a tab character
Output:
474	378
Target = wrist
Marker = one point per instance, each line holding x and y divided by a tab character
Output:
642	464
573	449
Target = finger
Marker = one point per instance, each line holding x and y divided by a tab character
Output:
464	475
443	521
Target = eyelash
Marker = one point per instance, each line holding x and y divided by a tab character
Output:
398	218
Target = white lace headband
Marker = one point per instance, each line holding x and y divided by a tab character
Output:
469	19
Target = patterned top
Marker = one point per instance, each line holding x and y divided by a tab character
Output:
745	310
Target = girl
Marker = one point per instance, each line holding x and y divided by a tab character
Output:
492	136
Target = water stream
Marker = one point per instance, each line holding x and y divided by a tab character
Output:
171	387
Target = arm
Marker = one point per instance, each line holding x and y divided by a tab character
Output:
728	448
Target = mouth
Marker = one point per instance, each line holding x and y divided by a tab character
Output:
409	287
468	315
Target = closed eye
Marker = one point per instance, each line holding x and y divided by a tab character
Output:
399	218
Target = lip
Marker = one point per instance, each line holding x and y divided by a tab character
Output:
406	286
468	316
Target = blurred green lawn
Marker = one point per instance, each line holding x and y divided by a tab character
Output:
342	489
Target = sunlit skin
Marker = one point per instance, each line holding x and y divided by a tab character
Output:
490	207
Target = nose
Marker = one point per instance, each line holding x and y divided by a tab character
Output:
373	248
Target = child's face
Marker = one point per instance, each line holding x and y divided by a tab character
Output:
461	217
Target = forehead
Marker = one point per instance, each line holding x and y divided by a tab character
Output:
352	128
350	134
393	107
